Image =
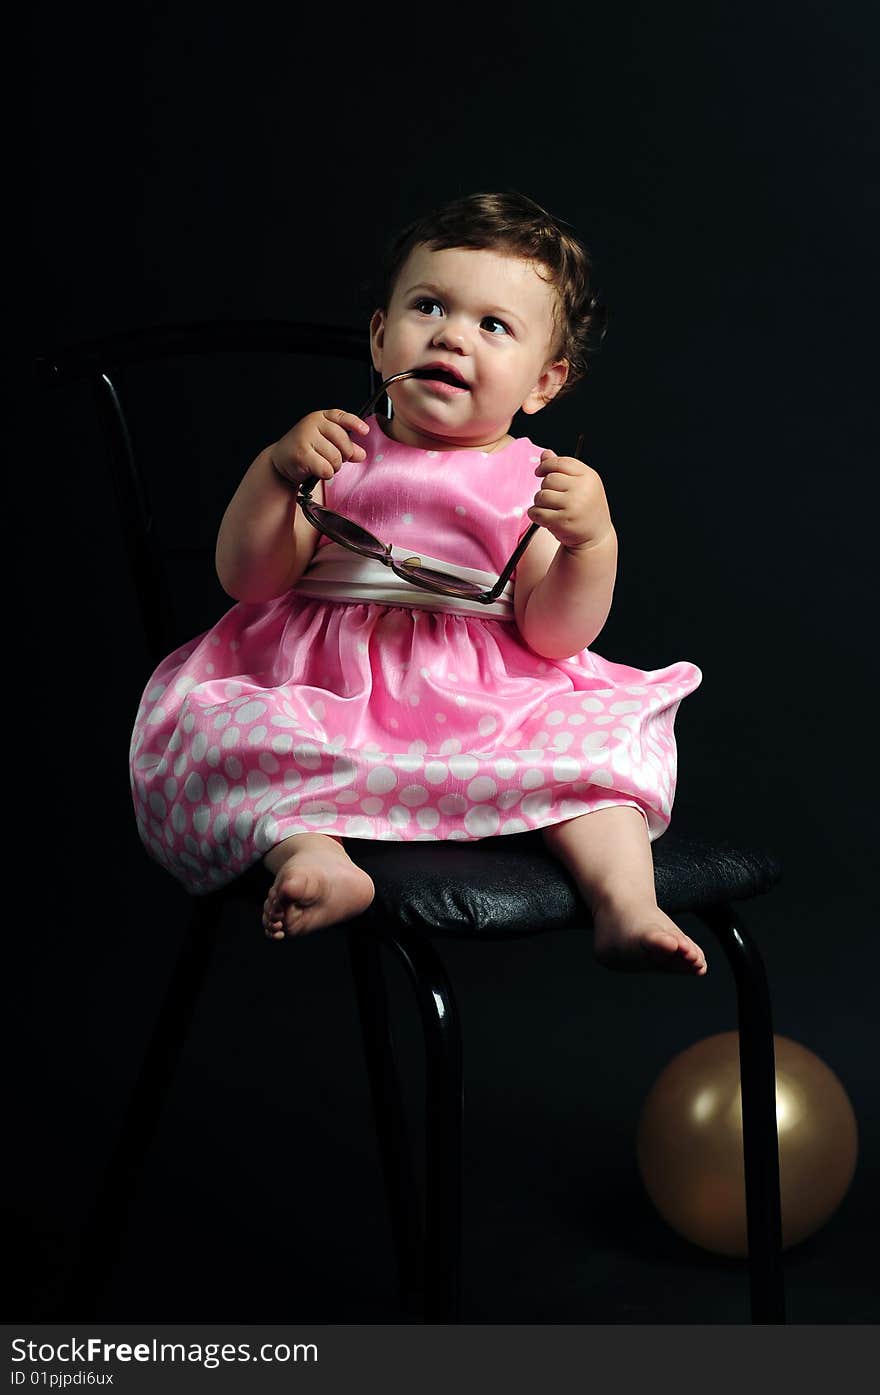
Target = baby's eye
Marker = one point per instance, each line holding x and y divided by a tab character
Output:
420	304
491	320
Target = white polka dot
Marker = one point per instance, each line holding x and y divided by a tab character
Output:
199	745
439	716
566	768
307	755
201	818
244	823
156	716
450	747
344	771
435	772
414	699
601	777
257	784
554	718
452	804
460	509
235	796
427	818
481	789
406	762
463	767
594	741
505	767
347	797
257	735
213	755
372	806
535	806
380	456
194	787
170	788
592	704
562	740
178	819
221	828
576	720
487	725
231	737
358	827
292	778
399	816
531	779
381	779
518	513
158	805
217	788
413	796
407	517
508	799
249	712
514	826
269	763
266	835
618	707
482	822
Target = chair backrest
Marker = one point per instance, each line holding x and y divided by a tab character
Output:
182	427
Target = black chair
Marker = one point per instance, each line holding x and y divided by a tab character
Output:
498	888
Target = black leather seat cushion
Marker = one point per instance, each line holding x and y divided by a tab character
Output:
498	888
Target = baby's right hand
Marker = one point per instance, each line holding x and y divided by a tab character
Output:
318	445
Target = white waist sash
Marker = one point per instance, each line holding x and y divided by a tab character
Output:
336	574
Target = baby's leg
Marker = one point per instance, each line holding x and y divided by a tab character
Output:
316	884
608	853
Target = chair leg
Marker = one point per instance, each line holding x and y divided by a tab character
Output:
440	1268
104	1227
401	1190
760	1136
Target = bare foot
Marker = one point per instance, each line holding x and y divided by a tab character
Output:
633	938
318	885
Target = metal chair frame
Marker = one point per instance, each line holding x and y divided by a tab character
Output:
426	1229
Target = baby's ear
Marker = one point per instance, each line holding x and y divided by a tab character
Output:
547	386
377	336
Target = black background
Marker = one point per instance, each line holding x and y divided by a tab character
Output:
720	161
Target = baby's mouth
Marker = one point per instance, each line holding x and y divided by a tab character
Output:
441	375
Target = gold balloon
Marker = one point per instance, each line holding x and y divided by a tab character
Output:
690	1145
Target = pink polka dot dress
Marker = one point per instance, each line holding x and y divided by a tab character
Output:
361	706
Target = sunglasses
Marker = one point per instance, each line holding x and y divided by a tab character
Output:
356	539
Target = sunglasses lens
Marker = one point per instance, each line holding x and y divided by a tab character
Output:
450	585
342	530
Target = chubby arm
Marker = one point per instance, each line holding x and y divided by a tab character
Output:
265	542
565	580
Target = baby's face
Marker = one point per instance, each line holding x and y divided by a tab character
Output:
488	317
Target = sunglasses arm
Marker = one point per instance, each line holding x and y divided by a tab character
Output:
505	575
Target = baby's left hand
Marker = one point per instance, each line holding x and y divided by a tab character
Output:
571	502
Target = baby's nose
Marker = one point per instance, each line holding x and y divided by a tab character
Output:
452	335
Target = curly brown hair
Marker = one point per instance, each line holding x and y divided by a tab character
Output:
512	223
